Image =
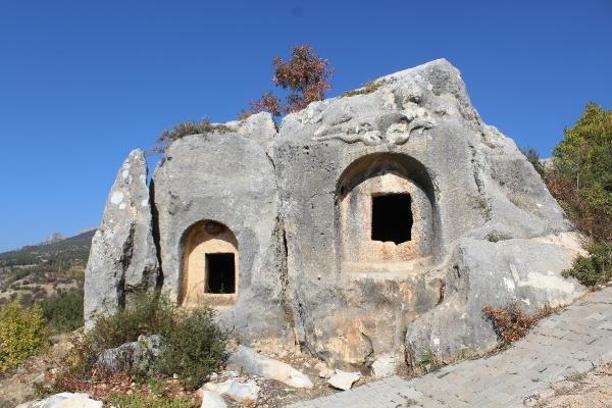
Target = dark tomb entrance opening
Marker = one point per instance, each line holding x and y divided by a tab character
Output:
220	273
392	217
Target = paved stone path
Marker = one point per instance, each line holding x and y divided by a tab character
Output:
560	346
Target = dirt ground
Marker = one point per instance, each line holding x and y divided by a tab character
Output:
591	390
18	385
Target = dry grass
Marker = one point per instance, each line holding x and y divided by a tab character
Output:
511	323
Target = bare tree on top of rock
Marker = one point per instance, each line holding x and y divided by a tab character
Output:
306	76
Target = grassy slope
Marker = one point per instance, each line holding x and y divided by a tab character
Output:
35	272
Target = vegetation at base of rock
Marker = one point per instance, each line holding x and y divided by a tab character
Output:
22	334
594	269
187	128
149	313
193	346
63	312
510	323
427	362
305	76
581	179
194	349
141	400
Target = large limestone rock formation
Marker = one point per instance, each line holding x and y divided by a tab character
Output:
480	214
224	181
123	256
370	225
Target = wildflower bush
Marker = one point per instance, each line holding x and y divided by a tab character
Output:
22	334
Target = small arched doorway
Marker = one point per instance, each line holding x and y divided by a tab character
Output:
384	214
209	265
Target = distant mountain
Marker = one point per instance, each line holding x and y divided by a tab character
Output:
35	272
75	248
55	237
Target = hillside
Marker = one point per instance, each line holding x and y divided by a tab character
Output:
36	272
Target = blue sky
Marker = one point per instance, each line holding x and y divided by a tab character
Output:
83	82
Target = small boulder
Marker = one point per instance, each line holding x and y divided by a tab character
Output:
236	390
343	380
248	360
138	355
64	400
211	399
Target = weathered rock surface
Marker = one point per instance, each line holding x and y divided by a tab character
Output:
229	179
123	255
343	380
473	224
247	391
248	360
64	400
354	299
492	273
137	355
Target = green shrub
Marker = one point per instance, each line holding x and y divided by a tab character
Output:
194	349
150	313
594	269
193	346
139	400
22	334
63	311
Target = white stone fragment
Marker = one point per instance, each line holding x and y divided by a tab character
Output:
211	399
64	400
236	390
248	360
343	380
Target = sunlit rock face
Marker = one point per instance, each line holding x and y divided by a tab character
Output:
123	257
368	225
